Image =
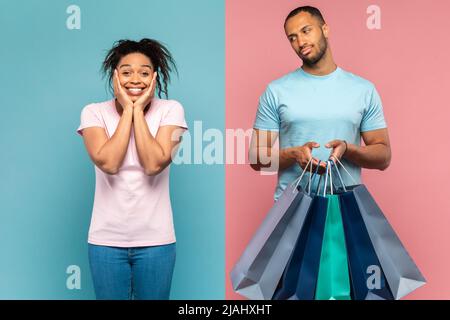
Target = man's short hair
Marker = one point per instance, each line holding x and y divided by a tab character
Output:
311	10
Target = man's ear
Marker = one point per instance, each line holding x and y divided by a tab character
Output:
325	30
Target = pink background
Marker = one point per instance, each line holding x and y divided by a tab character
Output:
408	62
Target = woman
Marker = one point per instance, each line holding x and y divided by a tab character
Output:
131	139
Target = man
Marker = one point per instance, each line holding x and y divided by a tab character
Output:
318	112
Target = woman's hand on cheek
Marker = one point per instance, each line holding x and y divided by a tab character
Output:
146	98
122	97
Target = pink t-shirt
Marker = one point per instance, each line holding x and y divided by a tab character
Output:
130	208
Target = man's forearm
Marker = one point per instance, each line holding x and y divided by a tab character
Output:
272	160
375	156
287	158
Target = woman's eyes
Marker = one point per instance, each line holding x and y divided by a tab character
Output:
127	74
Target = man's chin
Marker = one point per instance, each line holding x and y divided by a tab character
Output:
308	62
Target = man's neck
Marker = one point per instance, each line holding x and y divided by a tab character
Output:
325	66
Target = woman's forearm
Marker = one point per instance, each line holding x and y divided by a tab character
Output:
112	153
150	153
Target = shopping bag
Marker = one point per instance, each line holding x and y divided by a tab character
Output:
402	274
259	269
300	276
367	277
333	281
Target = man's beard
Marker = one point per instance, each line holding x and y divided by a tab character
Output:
322	46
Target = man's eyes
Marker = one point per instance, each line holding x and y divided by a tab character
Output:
306	31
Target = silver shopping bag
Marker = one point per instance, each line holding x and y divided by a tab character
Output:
259	269
402	274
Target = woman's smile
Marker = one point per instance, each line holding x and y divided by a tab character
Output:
135	91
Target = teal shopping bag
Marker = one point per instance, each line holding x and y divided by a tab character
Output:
333	281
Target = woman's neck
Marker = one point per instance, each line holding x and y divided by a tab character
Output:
119	108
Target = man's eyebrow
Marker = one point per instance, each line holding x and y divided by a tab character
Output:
125	65
301	29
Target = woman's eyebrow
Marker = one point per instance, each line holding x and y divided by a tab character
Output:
142	65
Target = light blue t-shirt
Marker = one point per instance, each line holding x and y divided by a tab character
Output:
303	107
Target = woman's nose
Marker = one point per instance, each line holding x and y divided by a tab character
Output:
135	78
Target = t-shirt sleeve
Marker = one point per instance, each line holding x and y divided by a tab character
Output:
89	118
267	117
174	116
373	117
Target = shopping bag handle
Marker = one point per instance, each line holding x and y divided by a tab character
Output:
328	172
320	180
338	161
297	181
311	180
334	165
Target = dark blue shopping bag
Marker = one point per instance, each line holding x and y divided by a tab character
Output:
301	273
368	281
300	277
400	273
367	278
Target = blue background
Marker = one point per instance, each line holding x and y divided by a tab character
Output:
48	73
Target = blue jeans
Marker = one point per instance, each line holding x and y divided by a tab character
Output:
141	273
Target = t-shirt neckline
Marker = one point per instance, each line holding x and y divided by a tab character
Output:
118	115
327	76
